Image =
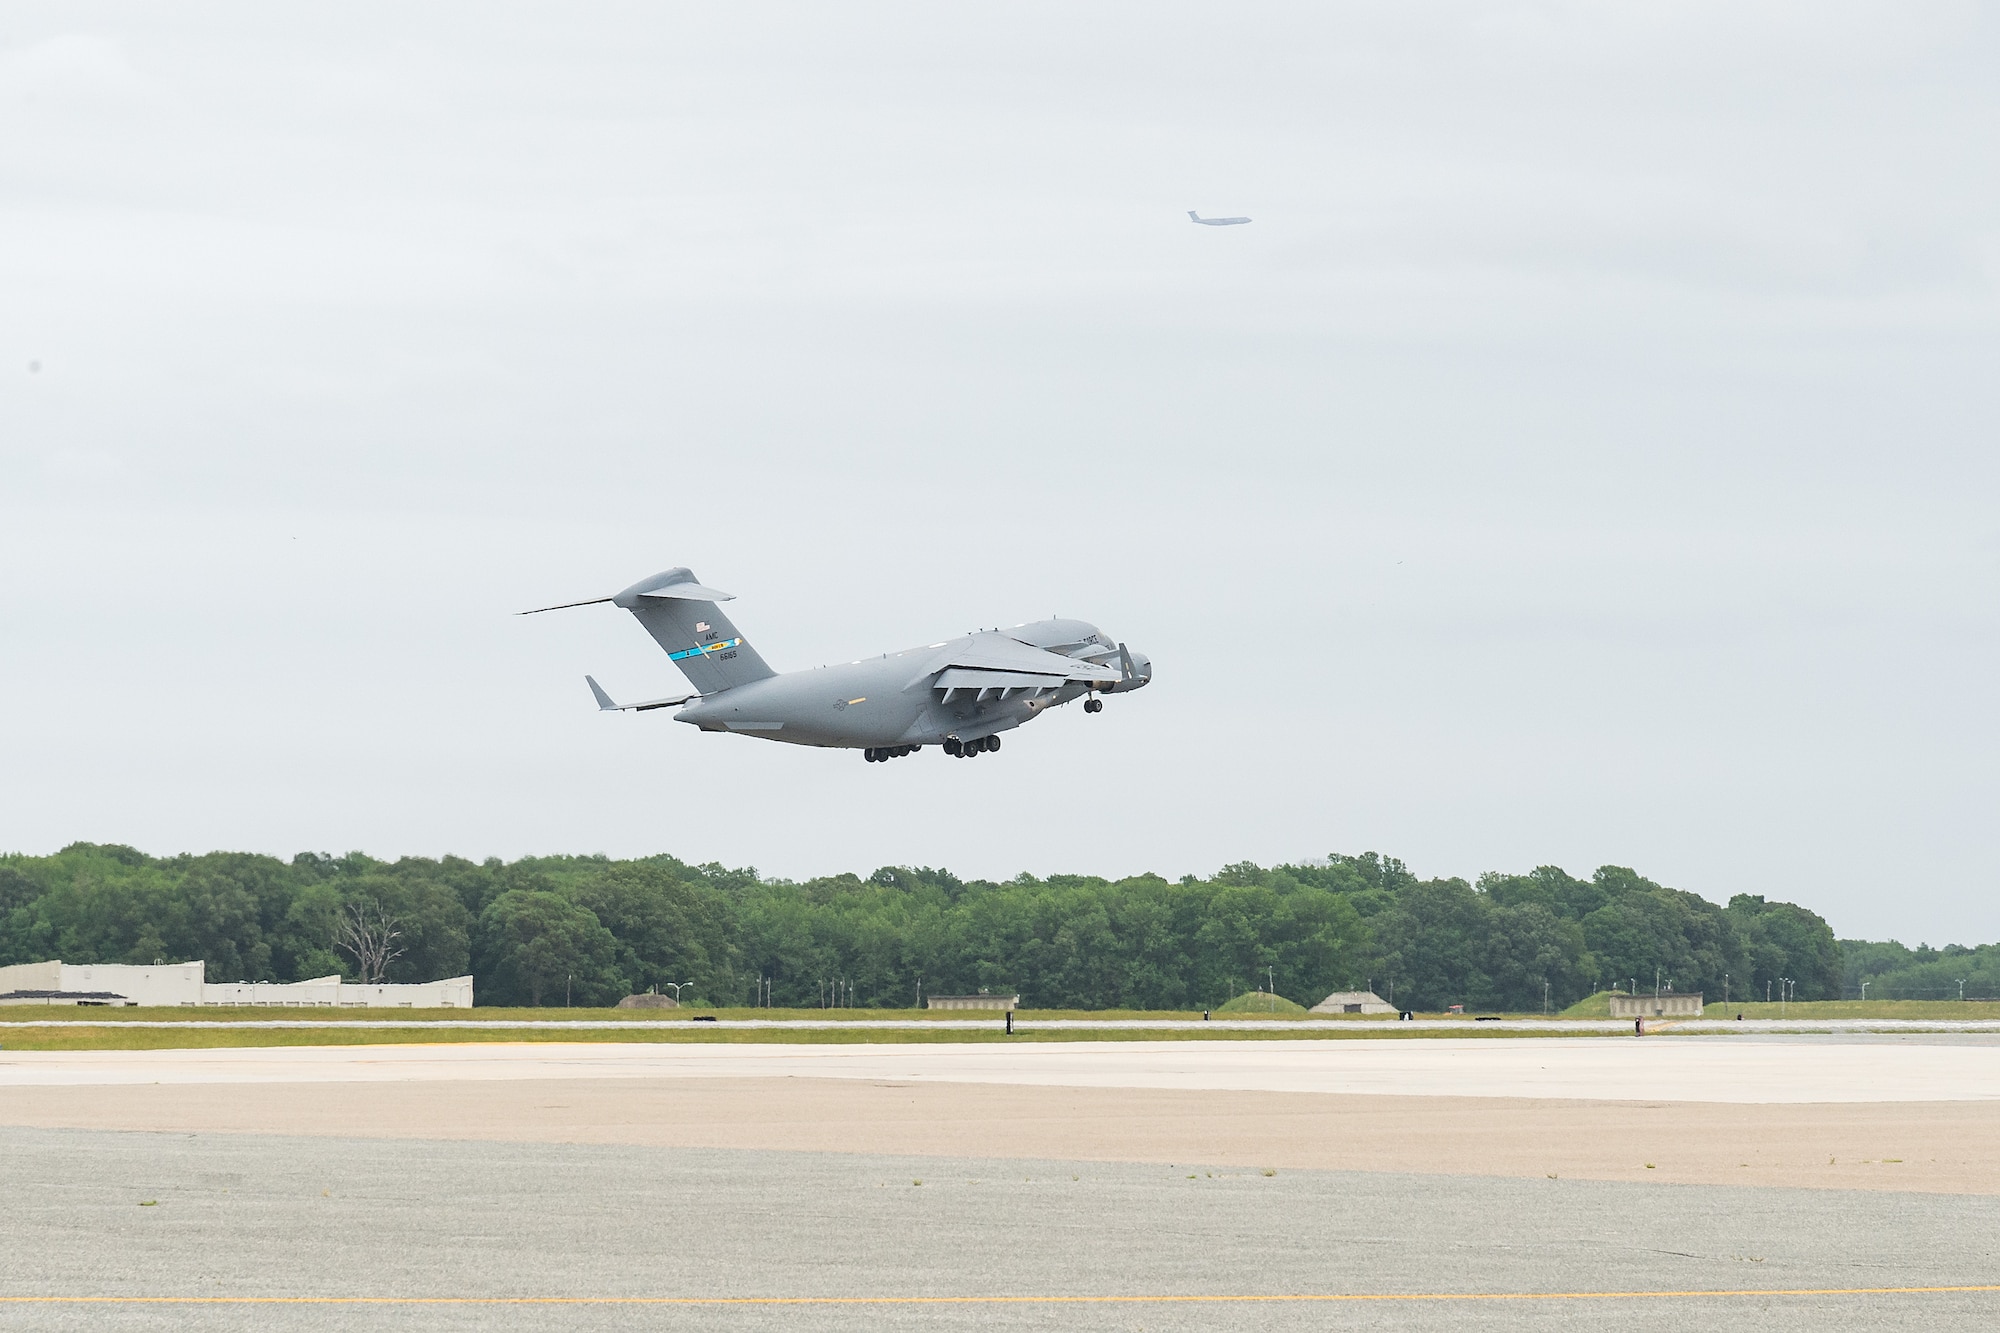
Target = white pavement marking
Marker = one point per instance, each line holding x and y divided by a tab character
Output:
1582	1068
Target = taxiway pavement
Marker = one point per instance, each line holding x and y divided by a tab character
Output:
317	1235
1746	1070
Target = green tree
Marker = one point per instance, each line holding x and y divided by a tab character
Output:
1783	940
1432	945
535	947
667	928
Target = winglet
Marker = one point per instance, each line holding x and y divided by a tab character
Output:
604	704
1192	214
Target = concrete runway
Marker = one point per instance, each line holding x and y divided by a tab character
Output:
1767	1184
1772	1070
237	1218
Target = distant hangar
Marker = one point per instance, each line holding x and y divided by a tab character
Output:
1354	1002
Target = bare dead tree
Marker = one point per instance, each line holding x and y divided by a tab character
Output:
367	933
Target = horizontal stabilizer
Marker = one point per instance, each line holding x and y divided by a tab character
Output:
690	592
605	703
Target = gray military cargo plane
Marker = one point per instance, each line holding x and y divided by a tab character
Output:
958	695
1216	222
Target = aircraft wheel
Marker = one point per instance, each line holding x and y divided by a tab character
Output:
869	755
993	742
953	748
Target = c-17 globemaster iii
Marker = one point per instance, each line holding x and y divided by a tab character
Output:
958	695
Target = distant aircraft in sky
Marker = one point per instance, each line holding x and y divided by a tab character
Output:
958	695
1216	222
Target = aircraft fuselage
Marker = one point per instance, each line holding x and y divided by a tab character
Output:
890	700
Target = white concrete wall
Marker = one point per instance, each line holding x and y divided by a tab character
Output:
452	993
31	976
320	992
183	984
163	983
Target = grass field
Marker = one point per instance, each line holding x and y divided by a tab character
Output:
57	1028
1599	1006
255	1013
113	1037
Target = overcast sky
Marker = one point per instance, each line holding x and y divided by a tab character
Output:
1587	456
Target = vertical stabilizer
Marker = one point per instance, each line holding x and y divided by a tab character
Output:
683	617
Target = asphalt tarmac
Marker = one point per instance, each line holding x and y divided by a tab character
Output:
269	1232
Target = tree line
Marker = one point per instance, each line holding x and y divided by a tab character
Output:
589	930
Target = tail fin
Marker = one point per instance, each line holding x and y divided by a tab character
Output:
683	618
1194	215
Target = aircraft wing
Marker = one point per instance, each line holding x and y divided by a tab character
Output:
970	678
992	662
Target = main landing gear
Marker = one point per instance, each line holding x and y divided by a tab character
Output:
883	754
967	749
1093	705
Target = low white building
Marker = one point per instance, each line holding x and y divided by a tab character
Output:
979	1001
1686	1004
1354	1002
186	984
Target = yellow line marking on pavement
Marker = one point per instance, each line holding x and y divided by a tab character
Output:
1215	1299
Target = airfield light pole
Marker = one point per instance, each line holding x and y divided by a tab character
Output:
567	978
1864	992
1725	988
676	986
1961	988
1271	975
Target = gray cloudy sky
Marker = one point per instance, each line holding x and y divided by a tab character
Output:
1586	456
